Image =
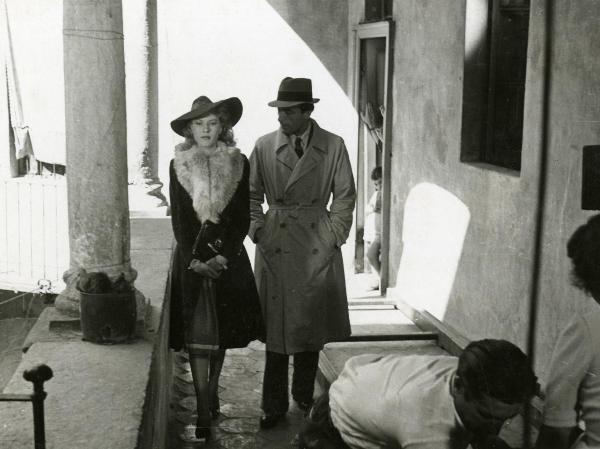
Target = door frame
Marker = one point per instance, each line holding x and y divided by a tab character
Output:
383	29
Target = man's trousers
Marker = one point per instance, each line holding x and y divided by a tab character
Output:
275	383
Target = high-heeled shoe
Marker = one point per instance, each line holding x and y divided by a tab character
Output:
195	434
215	412
214	407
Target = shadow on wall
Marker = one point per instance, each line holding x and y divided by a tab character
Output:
323	26
244	48
433	234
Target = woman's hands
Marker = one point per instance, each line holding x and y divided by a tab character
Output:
212	268
218	263
203	269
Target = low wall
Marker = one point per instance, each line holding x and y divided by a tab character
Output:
103	396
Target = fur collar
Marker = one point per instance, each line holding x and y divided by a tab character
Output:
209	178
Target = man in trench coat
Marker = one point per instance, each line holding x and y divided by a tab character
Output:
299	268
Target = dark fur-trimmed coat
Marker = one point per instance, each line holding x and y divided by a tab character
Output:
213	188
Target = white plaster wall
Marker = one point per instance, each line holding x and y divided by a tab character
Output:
490	295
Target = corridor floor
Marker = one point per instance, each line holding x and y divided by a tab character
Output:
240	385
239	392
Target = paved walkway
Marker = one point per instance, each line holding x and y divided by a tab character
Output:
240	385
240	389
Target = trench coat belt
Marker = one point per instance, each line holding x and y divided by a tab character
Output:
294	207
293	210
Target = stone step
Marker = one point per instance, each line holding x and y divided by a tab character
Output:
371	302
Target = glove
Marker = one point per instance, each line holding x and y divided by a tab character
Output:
217	263
203	269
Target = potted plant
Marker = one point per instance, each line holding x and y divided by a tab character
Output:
107	308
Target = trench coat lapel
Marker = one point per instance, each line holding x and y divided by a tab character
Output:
313	157
282	151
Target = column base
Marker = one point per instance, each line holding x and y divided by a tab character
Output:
67	303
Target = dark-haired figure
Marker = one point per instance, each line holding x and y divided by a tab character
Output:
299	268
573	388
214	301
372	233
422	401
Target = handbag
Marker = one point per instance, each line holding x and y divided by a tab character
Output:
209	241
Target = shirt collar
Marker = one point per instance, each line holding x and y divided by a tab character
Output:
304	136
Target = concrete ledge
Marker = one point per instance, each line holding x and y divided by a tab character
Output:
102	396
95	399
66	328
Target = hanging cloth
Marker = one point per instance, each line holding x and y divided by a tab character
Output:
33	52
15	107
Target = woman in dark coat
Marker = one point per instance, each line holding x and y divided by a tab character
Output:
215	304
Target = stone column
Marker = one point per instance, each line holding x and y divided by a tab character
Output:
96	141
141	66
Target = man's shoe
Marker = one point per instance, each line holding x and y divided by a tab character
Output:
268	421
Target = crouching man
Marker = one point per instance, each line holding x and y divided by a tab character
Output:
422	401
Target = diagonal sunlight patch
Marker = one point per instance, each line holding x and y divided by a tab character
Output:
433	233
240	48
476	19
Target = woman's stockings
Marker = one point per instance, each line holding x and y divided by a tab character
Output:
199	366
216	364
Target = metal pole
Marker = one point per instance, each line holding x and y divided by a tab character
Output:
38	375
539	222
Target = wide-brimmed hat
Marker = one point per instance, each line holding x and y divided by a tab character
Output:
203	106
292	92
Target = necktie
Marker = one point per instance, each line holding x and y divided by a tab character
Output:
298	147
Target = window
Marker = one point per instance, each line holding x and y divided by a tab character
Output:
376	10
496	35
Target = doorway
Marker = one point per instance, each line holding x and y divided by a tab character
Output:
372	77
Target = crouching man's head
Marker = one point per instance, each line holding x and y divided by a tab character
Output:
492	382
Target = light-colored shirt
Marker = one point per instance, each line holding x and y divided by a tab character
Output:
304	137
573	388
397	401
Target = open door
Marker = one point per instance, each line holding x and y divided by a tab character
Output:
372	93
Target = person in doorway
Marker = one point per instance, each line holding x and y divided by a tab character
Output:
215	303
422	401
372	233
573	387
299	269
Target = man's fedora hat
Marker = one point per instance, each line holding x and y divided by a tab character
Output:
203	106
292	92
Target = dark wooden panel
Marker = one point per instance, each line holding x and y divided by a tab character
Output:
590	178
